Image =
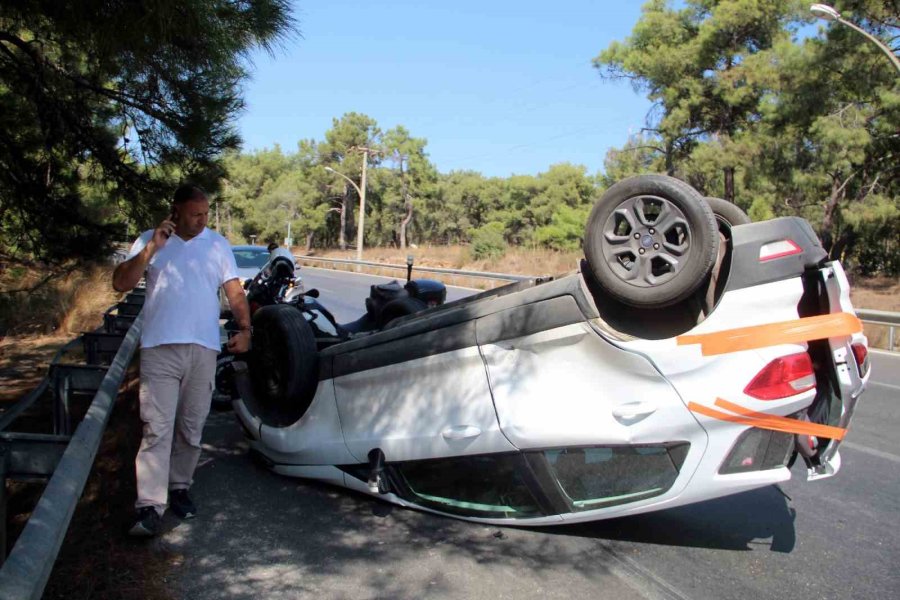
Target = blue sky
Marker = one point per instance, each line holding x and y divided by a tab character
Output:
494	86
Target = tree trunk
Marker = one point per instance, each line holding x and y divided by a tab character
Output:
670	159
729	184
404	223
405	193
837	191
309	241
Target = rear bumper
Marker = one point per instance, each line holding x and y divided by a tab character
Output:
849	382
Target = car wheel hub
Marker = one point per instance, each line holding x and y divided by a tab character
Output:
645	240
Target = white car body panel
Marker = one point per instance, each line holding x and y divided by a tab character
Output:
316	438
448	413
618	397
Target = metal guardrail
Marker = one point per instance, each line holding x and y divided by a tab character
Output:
891	320
478	274
26	570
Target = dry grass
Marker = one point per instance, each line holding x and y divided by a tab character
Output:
24	361
65	304
881	293
35	325
877	293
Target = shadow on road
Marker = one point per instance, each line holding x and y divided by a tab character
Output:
258	534
740	522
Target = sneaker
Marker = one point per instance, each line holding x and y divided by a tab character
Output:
147	524
181	504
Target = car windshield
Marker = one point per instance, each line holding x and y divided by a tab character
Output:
250	257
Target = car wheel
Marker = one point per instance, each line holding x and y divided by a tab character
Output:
650	241
283	362
727	215
223	393
400	307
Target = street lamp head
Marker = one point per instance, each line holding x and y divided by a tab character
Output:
823	11
329	169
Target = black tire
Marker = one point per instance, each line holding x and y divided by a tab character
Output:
727	215
400	307
650	241
223	393
283	363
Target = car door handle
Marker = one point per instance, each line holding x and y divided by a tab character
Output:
634	410
460	432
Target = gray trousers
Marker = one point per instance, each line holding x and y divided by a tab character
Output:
177	382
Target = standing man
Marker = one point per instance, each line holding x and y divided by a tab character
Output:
185	264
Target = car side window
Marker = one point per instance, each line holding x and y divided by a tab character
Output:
593	478
480	486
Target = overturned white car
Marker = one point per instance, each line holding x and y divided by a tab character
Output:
684	361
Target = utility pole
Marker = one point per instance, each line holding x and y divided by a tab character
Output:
362	205
361	190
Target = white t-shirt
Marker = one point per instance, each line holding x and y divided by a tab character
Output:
183	280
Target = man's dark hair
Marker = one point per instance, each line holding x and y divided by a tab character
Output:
188	191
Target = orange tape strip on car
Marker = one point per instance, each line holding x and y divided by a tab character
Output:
826	431
772	334
764	421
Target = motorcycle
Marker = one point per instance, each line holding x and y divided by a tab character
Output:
276	284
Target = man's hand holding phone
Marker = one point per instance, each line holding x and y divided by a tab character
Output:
164	230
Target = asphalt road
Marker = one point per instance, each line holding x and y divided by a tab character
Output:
260	535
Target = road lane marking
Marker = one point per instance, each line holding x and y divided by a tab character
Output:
881	352
641	579
889	386
872	451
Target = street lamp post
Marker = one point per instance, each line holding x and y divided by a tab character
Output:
828	13
361	190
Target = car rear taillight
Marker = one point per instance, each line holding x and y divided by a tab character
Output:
783	377
861	354
778	249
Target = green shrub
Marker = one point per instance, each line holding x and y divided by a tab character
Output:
488	241
566	229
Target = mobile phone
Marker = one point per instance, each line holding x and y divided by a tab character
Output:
172	216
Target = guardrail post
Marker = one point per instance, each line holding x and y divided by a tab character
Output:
61	420
4	453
